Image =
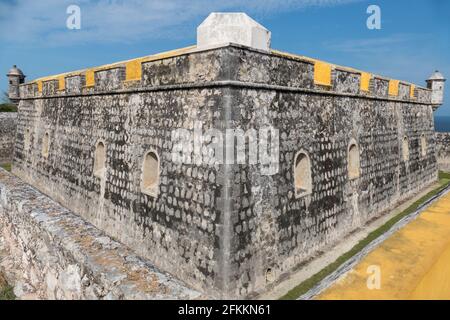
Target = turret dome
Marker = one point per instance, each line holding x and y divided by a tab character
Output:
14	71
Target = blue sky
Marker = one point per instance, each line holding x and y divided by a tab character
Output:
414	39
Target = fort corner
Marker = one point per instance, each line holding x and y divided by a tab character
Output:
352	145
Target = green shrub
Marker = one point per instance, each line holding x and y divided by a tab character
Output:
8	107
6	166
6	291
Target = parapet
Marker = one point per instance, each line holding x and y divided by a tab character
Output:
169	69
232	50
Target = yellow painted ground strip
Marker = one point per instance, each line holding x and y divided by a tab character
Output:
414	262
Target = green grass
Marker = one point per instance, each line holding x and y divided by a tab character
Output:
8	107
6	166
6	291
305	286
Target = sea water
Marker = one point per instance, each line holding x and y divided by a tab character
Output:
442	123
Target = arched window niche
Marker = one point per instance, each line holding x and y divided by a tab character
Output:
26	140
150	174
423	146
302	174
270	275
354	165
45	145
405	148
100	160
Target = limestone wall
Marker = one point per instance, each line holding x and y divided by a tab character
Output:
443	150
48	252
226	229
7	136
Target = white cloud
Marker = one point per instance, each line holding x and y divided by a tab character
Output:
44	21
405	56
377	44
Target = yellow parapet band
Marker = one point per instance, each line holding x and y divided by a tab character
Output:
90	80
412	88
365	81
393	87
39	85
322	73
61	83
133	70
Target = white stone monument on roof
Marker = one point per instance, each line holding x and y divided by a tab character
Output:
221	28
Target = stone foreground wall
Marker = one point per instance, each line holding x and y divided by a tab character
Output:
48	252
8	121
443	150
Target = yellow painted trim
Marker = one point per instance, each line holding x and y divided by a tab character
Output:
133	70
158	56
322	77
393	87
412	88
168	54
294	56
307	59
322	73
90	79
39	85
365	81
61	83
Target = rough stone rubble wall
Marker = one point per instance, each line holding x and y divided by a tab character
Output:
275	230
221	227
443	150
7	136
48	252
177	230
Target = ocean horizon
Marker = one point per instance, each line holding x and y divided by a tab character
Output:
442	123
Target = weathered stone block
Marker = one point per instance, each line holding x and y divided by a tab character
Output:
221	28
50	87
74	84
109	79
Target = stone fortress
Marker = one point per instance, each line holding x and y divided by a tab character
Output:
352	145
